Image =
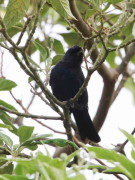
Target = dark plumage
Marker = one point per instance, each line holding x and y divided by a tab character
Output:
66	78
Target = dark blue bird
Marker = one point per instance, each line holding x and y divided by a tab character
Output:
65	79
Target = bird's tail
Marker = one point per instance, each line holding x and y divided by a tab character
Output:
85	125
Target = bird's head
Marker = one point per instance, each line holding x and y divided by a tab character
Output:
74	56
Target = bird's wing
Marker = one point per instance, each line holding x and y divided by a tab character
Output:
65	82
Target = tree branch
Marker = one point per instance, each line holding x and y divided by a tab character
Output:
29	115
86	32
24	29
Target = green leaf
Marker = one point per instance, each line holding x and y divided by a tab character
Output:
58	47
89	13
15	29
71	156
25	132
114	1
133	59
57	58
6	126
7	167
72	38
128	39
6	139
63	8
111	59
133	153
44	11
32	148
133	30
121	170
1	1
114	157
82	7
8	121
16	9
34	63
57	142
6	85
13	177
9	106
130	85
129	137
53	168
35	138
48	64
103	153
20	170
44	52
31	140
29	165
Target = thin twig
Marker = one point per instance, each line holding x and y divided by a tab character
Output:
120	86
5	47
121	46
120	147
3	31
48	127
24	29
116	175
29	115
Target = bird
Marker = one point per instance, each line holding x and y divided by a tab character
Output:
66	78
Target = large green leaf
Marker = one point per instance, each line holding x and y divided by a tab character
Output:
46	165
119	169
114	1
62	7
6	126
16	9
72	38
89	13
57	58
58	47
35	138
111	59
13	177
133	30
8	121
43	50
7	168
71	156
129	137
57	142
126	40
6	85
25	132
20	170
6	139
9	106
15	29
133	153
53	168
122	162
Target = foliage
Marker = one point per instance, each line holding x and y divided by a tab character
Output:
120	162
103	26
